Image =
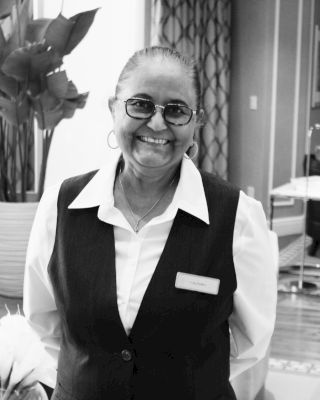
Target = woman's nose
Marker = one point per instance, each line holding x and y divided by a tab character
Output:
156	122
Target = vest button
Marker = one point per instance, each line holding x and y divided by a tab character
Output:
126	355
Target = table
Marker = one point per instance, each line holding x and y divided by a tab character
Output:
304	188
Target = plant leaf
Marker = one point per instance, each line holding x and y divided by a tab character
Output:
48	110
69	108
81	100
72	91
17	38
58	84
17	64
6	8
9	85
2	44
58	32
70	105
43	62
46	101
36	29
82	23
34	87
14	111
50	118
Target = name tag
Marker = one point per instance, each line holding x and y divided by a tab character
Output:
198	283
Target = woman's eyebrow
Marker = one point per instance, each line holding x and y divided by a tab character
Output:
148	97
143	96
177	101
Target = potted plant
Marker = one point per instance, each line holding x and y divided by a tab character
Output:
35	92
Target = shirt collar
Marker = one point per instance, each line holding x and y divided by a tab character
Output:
189	195
99	190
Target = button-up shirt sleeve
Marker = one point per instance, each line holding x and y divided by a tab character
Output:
38	302
255	261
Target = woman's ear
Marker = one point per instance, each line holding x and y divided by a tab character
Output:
200	118
111	102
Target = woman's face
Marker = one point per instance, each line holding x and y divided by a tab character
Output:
153	144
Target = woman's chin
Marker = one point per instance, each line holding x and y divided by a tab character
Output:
152	159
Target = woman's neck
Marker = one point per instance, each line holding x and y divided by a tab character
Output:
151	182
141	197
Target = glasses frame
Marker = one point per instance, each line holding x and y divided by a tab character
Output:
162	108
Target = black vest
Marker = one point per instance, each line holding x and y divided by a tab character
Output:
178	348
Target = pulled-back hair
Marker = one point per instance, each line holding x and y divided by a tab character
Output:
166	53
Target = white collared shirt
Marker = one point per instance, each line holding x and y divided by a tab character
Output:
137	254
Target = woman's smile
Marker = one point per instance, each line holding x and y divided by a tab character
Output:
152	140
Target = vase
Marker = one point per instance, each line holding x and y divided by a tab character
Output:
15	224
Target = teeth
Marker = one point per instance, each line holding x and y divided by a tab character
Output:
153	140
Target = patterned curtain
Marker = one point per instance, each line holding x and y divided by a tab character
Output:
201	29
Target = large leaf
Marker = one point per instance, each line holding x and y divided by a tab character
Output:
70	105
14	111
50	118
6	7
58	33
43	61
17	64
83	21
72	91
58	84
69	108
9	85
36	30
81	100
48	110
31	63
46	101
65	34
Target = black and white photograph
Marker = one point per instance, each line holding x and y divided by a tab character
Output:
159	200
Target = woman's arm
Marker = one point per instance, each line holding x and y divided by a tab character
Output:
255	257
38	300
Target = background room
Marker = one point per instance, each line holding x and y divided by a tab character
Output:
260	68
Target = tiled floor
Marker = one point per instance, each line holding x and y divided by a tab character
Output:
294	369
282	385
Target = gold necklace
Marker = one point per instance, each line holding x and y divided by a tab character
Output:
136	223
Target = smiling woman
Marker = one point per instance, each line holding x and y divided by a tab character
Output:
163	254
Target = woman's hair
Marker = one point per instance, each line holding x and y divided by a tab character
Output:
166	53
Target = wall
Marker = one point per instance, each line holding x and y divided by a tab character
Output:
271	58
251	74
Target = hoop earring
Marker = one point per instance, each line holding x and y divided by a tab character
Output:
108	140
195	152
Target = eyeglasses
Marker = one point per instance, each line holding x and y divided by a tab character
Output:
174	114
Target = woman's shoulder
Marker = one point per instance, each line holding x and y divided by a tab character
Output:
79	180
72	186
214	182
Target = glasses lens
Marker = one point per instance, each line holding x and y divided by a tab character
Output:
139	108
177	114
